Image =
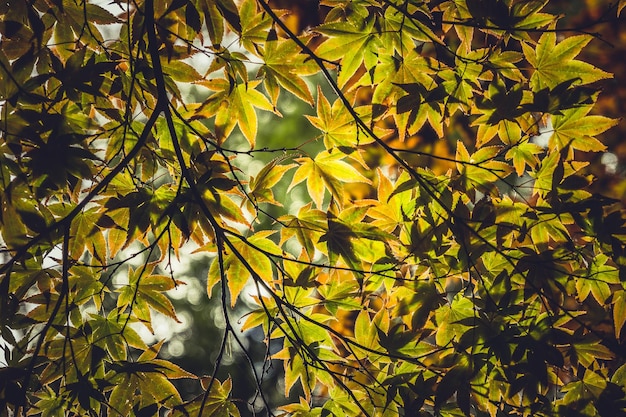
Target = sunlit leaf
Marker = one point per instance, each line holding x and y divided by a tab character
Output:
354	45
576	130
249	258
327	171
429	223
555	63
234	105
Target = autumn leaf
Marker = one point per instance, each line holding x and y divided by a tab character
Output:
285	66
352	44
307	226
327	171
575	129
145	291
482	167
261	185
522	155
254	25
374	240
337	125
233	105
245	261
555	63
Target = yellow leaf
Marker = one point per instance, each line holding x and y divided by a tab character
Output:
575	129
234	105
327	171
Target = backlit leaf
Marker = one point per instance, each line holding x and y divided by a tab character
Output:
234	106
555	63
327	171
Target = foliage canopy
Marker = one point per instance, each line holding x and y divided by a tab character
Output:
439	254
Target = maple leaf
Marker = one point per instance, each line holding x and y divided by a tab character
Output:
600	276
337	125
327	171
112	334
524	154
421	104
619	311
368	331
217	403
254	25
396	24
148	375
285	66
549	174
86	225
223	205
303	408
307	226
393	287
236	272
353	45
312	336
576	130
389	210
261	185
145	291
554	63
390	74
233	105
481	168
349	237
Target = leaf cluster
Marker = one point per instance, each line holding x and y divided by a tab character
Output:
472	274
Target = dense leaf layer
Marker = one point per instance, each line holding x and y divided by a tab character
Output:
435	251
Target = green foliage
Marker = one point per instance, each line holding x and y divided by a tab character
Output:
444	261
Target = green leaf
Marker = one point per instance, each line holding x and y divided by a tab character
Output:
181	71
145	291
327	171
481	168
589	353
524	154
254	25
301	409
249	256
555	63
285	66
220	203
85	226
576	130
353	45
597	282
233	105
365	332
261	185
549	174
217	404
619	312
100	15
114	335
336	123
307	226
393	262
448	318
